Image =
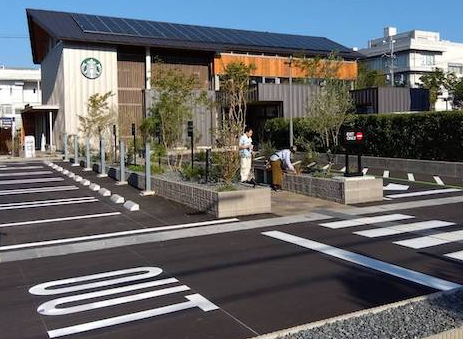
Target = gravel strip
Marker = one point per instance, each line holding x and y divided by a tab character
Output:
411	321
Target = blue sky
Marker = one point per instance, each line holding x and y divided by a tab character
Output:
349	22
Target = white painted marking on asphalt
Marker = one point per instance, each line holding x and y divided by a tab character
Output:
377	265
326	167
365	171
20	168
387	199
432	240
438	180
29	181
395	187
411	177
35	202
45	221
24	173
404	228
194	300
455	255
386	174
366	221
423	193
117	234
47	288
51	307
58	203
343	169
39	190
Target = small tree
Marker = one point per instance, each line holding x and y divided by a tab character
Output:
329	109
235	86
367	78
100	117
458	94
436	82
172	108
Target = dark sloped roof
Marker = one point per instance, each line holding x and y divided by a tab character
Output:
111	30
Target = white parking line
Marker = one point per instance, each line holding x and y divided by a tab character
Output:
45	221
343	169
47	204
438	180
365	171
24	173
386	174
326	167
455	255
366	221
19	168
39	190
422	193
35	202
411	177
117	234
377	265
403	228
29	181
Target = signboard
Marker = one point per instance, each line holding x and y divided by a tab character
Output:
91	68
352	137
6	122
190	128
29	146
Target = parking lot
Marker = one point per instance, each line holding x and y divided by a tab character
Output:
75	264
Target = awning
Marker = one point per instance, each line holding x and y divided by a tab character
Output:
33	109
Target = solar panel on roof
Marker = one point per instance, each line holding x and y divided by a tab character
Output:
190	33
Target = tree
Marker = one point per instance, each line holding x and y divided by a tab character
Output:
176	94
436	82
235	86
99	118
368	78
330	108
458	94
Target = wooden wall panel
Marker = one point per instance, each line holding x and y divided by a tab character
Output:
201	71
268	66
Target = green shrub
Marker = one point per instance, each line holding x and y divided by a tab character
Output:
226	188
155	169
192	174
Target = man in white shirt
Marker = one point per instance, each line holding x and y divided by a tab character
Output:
280	161
245	147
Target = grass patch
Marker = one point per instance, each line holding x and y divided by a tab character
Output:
226	188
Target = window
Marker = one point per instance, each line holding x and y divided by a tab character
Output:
427	59
269	80
456	68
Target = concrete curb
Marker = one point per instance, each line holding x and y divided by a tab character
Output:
131	206
294	330
78	178
85	182
71	175
117	199
94	187
65	172
104	192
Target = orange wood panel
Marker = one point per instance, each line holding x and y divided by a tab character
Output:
268	66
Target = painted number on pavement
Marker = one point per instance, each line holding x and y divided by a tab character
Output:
77	285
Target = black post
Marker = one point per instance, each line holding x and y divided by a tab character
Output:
208	163
359	161
346	173
190	134
115	144
134	145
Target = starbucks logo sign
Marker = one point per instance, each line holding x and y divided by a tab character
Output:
91	68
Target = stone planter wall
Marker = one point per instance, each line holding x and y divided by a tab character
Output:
203	199
343	190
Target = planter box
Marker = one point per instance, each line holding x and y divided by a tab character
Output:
203	199
351	190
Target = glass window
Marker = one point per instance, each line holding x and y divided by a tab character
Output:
427	59
255	80
269	80
456	68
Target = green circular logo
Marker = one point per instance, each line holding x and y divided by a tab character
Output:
91	68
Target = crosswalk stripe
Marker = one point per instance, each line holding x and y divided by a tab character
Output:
365	171
411	177
455	255
422	193
432	240
386	174
404	228
374	264
366	221
438	180
18	174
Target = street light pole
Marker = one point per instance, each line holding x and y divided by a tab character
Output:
291	134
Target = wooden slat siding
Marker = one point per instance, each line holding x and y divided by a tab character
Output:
202	71
268	66
131	81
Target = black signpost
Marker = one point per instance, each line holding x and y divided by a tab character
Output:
115	143
353	139
190	134
134	145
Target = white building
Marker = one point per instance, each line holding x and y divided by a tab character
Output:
18	87
416	53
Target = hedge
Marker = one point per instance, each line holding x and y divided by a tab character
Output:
430	136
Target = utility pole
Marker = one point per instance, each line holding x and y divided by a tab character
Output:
391	57
291	133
